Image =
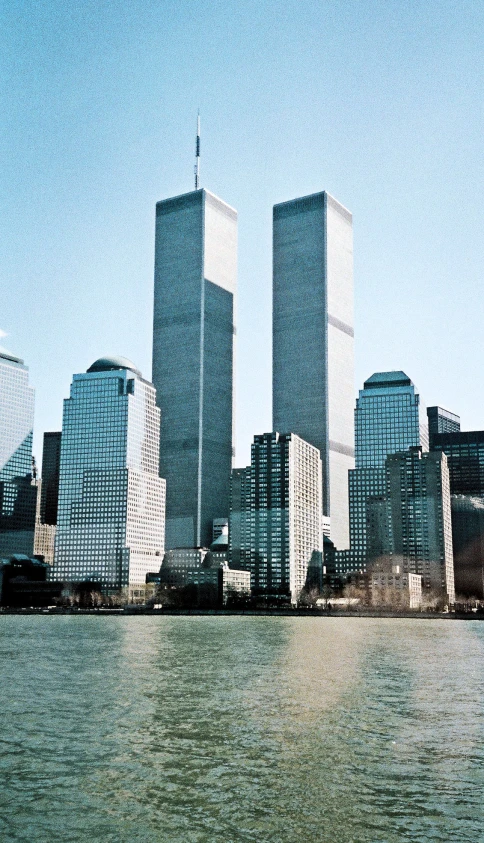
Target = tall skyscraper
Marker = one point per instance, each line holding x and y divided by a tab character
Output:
388	418
193	357
277	517
418	495
18	493
313	370
110	520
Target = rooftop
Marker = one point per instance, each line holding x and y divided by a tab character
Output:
10	357
382	380
110	364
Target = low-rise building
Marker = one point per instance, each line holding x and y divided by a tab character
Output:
23	583
204	573
395	588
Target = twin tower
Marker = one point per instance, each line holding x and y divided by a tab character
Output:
193	350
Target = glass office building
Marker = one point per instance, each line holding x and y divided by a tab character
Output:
468	545
193	357
110	519
389	417
275	526
465	455
441	421
18	494
418	495
313	367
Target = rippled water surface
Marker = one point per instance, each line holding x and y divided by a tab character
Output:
241	729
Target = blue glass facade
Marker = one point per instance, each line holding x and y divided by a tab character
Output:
17	494
193	353
388	418
441	421
465	455
110	520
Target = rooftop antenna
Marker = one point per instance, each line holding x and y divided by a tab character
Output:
197	154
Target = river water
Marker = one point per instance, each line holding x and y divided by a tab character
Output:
240	728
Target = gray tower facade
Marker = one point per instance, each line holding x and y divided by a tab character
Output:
193	360
313	368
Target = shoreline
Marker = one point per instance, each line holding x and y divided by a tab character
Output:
289	613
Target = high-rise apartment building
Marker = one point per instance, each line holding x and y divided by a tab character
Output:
193	357
110	520
388	418
313	369
418	494
441	421
276	523
18	492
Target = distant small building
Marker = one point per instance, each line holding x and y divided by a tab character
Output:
206	571
316	571
219	526
395	588
44	541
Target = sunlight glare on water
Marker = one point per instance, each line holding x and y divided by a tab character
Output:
225	729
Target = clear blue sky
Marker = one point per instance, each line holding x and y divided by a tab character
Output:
380	103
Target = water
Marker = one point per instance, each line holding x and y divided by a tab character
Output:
240	729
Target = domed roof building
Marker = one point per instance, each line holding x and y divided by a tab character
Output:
110	364
111	510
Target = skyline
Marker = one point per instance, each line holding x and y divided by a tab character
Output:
101	109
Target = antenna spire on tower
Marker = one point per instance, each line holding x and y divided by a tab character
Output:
197	154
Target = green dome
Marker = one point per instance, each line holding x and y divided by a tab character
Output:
110	364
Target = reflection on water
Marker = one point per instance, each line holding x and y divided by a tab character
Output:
240	729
